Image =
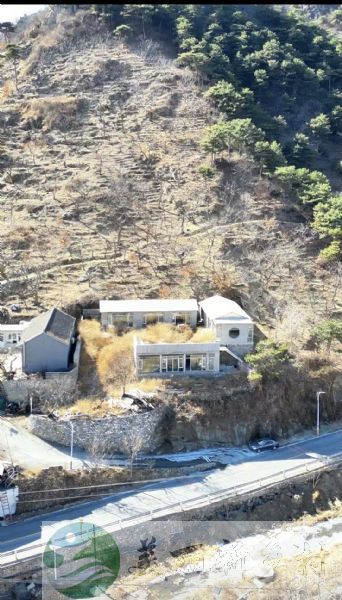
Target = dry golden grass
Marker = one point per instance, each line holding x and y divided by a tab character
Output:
115	364
32	472
163	332
8	88
55	112
203	335
306	571
93	407
46	41
323	515
150	385
144	576
93	337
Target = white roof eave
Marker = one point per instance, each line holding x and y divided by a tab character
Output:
218	307
227	320
149	305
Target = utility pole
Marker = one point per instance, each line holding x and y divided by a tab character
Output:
71	443
317	415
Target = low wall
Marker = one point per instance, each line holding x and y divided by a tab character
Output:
18	390
104	434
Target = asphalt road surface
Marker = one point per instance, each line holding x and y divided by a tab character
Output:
114	508
19	446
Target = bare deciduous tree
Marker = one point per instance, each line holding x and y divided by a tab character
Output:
132	445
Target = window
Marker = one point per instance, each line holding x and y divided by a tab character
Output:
234	332
173	363
211	362
149	364
1	337
180	318
121	320
198	362
152	318
250	334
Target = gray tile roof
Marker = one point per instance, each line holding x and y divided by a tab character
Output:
54	322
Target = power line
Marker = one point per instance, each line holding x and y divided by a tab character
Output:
66	498
108	484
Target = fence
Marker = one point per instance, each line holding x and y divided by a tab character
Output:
13	556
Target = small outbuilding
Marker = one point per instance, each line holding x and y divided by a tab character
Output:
48	342
231	324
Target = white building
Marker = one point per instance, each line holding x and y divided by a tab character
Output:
140	313
11	335
231	324
185	357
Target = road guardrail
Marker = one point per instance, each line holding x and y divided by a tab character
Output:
262	483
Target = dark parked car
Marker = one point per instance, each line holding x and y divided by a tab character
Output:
15	308
266	444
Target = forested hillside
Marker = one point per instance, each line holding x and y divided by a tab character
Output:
154	150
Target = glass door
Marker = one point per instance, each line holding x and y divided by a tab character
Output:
173	363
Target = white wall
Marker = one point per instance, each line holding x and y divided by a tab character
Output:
180	348
8	343
8	501
222	332
145	349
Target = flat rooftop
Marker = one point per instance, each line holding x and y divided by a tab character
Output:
221	310
14	327
149	305
181	346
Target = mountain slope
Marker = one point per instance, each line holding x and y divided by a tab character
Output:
103	192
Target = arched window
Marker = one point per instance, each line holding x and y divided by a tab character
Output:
234	332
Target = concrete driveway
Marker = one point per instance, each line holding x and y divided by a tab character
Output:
30	452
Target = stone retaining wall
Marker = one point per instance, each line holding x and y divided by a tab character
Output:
106	434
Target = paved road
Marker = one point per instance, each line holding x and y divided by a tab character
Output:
165	494
17	444
24	449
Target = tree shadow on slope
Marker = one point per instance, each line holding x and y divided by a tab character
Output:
89	382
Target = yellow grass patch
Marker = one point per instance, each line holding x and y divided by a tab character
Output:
8	88
55	112
197	556
115	362
150	385
93	337
94	407
203	335
163	332
167	333
334	511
